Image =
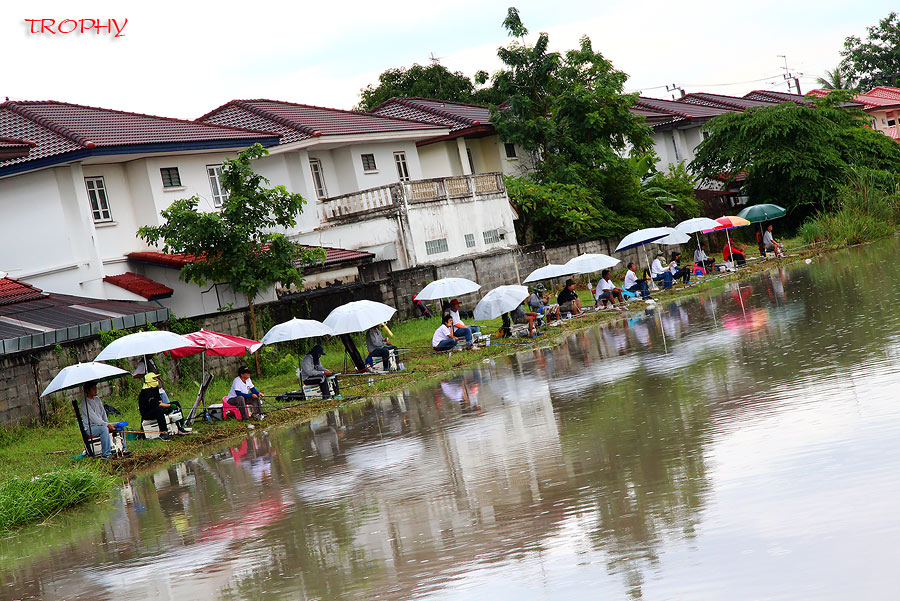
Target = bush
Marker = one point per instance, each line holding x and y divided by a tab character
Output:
27	500
866	207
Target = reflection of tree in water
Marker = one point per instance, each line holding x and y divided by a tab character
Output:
638	460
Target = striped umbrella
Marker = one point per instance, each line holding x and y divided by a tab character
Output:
728	222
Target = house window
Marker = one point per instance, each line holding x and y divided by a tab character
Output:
315	166
368	161
705	135
170	177
510	150
471	162
215	184
891	122
96	190
470	240
402	167
434	247
491	236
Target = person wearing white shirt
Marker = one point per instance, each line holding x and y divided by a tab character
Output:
243	392
607	292
661	275
95	421
771	244
459	328
443	339
635	284
677	270
701	258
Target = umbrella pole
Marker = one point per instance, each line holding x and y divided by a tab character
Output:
731	256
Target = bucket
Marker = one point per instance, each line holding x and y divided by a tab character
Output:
486	340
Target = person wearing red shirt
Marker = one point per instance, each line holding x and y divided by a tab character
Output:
731	250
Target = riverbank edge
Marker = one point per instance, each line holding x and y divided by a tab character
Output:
222	433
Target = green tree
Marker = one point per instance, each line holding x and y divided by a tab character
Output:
874	61
836	79
571	111
795	155
236	245
433	81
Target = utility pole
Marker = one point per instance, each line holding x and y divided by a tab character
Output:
790	77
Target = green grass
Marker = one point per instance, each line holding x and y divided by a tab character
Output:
27	500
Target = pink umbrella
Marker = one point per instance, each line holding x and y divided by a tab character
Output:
215	345
728	222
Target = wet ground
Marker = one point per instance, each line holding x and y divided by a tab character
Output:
742	445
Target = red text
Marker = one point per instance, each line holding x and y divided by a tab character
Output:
110	27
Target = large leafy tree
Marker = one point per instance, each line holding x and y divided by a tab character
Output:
432	81
571	112
791	154
236	245
875	60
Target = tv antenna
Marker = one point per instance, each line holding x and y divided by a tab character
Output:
672	90
789	77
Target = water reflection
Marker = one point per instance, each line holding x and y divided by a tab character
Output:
690	451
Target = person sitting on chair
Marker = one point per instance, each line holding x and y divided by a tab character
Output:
244	393
635	284
152	406
459	328
96	422
703	260
568	300
677	270
732	252
522	317
661	274
443	339
771	244
540	304
377	345
607	292
312	372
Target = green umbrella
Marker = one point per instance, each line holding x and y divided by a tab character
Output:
764	212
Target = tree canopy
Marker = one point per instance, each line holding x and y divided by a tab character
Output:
874	61
432	81
794	155
236	245
571	112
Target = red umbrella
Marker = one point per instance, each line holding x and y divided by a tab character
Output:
728	222
216	345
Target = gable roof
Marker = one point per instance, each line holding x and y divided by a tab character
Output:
295	122
61	132
140	285
684	110
734	103
774	96
16	291
456	115
333	256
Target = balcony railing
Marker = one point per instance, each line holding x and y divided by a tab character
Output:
387	199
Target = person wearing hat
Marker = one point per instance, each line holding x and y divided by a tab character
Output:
460	328
567	299
312	372
661	275
540	303
152	406
244	393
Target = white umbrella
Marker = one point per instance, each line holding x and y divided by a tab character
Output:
674	237
75	375
697	225
642	237
295	329
591	262
446	288
548	272
500	300
144	343
358	316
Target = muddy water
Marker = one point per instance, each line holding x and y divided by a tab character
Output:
743	445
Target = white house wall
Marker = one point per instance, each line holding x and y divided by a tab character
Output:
439	159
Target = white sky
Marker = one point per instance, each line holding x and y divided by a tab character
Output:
182	59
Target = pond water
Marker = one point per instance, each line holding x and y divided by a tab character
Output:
742	445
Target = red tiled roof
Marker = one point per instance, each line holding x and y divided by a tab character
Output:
302	121
774	96
15	291
734	103
58	128
679	109
333	256
884	92
12	148
140	285
456	115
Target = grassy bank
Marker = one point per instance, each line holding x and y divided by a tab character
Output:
26	452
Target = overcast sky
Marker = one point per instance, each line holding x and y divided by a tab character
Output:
184	58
